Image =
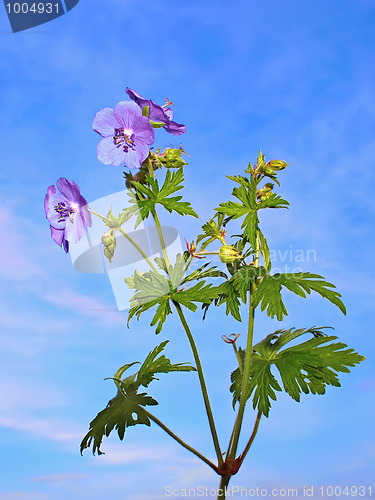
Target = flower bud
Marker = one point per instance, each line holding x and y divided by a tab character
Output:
229	254
277	164
265	192
109	242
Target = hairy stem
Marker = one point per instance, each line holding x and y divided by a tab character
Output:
130	241
182	443
202	382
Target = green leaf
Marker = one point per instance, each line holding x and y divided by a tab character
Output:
273	201
153	288
246	194
116	222
154	363
202	272
198	293
160	317
212	230
268	292
150	196
265	251
237	287
123	411
306	367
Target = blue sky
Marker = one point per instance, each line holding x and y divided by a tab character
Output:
295	79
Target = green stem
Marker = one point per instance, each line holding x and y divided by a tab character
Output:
161	237
223	484
182	443
240	368
202	382
130	241
247	367
245	379
139	249
191	341
238	357
157	222
252	437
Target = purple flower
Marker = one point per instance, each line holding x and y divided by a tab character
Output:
158	114
127	135
67	212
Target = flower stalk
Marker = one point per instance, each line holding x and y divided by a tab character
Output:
181	442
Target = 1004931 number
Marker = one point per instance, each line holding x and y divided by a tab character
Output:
34	8
345	491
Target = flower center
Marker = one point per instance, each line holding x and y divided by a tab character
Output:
124	138
65	211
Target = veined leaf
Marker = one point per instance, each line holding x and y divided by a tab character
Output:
153	364
306	367
265	251
122	411
237	287
273	201
268	292
212	231
153	194
155	289
125	409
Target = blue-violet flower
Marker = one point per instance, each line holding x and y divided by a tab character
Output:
67	212
158	114
127	135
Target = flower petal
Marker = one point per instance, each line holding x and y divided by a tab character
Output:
126	112
169	112
108	153
175	128
85	213
134	158
50	191
104	122
69	189
143	130
52	215
157	113
141	101
76	229
57	235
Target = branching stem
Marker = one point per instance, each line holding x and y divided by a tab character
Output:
202	382
182	443
130	241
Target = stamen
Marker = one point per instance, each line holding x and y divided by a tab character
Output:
123	139
65	212
167	103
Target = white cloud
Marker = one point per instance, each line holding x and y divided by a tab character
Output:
69	299
59	431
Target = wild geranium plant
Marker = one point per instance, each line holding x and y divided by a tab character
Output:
305	359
